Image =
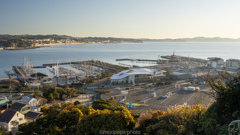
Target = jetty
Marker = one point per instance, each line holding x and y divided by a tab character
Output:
19	72
147	60
185	58
96	63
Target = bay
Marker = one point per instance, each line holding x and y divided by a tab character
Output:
110	52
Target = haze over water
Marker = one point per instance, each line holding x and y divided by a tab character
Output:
110	52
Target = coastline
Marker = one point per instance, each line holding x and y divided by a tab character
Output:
42	45
56	44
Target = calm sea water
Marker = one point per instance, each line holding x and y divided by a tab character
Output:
110	52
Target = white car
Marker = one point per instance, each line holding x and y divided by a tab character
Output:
167	95
20	94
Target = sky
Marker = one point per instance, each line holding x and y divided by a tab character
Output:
156	19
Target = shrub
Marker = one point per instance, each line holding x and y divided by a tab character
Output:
77	103
176	120
102	91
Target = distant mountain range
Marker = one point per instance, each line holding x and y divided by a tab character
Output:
196	39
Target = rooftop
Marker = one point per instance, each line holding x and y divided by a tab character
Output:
236	60
136	71
27	99
39	75
4	101
33	115
178	73
17	106
7	115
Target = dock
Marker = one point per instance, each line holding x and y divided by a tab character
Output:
147	60
89	62
19	72
185	58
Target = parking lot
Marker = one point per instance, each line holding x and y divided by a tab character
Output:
142	95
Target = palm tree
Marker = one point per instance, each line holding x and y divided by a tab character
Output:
10	79
154	73
214	71
197	71
190	70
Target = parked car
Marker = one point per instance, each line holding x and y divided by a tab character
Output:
20	94
167	95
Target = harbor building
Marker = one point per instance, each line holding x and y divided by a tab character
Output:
215	62
135	75
233	63
179	76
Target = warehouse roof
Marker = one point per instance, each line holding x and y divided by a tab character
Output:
136	71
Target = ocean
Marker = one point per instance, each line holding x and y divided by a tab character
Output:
111	52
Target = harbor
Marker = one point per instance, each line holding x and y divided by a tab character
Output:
77	71
65	73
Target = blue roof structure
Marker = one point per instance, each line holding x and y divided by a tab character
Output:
4	101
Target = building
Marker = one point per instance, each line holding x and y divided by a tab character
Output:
233	63
10	120
35	109
135	75
39	76
30	101
179	76
3	102
215	62
32	116
20	107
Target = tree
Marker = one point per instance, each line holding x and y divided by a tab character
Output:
175	120
10	87
50	97
154	80
77	103
37	93
190	70
197	71
69	117
10	79
226	93
214	71
108	120
102	91
104	104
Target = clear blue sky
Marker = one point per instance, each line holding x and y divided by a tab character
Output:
122	18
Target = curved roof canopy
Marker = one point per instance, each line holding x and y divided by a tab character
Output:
136	71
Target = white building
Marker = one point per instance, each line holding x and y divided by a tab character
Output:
215	62
233	63
129	76
30	101
180	76
10	120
